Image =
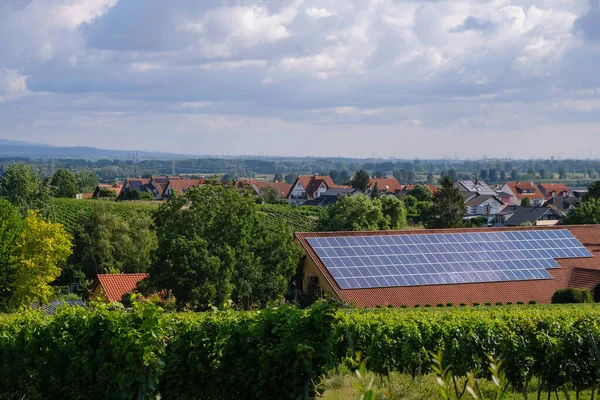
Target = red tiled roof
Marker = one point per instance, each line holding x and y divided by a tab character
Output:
87	195
116	285
517	187
539	290
312	183
282	188
548	188
183	185
583	278
386	184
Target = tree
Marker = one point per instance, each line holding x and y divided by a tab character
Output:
109	243
375	191
448	207
393	211
430	178
11	227
502	176
353	213
379	174
290	178
406	176
64	185
452	174
278	177
514	175
107	193
360	180
483	174
421	193
20	185
87	181
562	173
270	195
593	191
526	202
587	212
40	251
213	247
492	175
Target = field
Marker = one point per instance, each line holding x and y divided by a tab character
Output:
66	212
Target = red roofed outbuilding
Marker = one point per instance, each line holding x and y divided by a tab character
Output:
112	287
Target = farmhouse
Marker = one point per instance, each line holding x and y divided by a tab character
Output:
310	187
486	265
181	186
385	185
523	190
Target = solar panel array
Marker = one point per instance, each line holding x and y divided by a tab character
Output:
357	262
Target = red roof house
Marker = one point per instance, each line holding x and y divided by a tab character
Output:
389	185
340	263
112	287
310	187
523	190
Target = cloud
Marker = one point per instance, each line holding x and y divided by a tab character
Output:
290	70
588	24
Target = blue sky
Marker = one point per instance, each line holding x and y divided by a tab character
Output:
355	78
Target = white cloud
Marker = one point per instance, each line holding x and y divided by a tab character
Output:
144	67
194	104
13	85
317	13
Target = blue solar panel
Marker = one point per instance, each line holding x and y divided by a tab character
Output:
429	259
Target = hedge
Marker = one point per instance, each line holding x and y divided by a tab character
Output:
571	295
283	353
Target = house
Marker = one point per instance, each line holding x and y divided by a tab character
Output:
523	190
417	267
469	188
552	190
309	187
504	197
519	215
112	287
159	184
563	204
385	185
181	186
81	196
137	185
331	196
483	204
116	188
282	188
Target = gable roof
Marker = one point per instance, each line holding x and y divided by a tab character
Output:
183	185
115	286
588	235
390	185
138	184
517	187
479	187
548	188
331	196
523	214
312	183
480	199
282	187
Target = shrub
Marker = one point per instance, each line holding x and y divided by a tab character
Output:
449	305
390	306
463	304
417	306
520	302
378	306
403	306
509	303
498	303
427	305
475	304
572	295
440	305
487	304
532	302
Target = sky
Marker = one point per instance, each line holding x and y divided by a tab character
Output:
357	78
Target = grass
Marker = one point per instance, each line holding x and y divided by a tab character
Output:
339	386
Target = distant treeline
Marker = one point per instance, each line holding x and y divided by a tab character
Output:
340	169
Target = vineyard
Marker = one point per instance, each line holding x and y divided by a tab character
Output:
285	352
299	219
66	212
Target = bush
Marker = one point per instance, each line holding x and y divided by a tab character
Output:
487	304
475	304
417	306
571	295
440	305
498	303
463	304
403	306
509	303
520	302
427	305
449	305
532	302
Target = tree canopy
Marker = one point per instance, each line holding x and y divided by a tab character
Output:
359	213
64	184
21	186
588	212
360	180
421	193
448	207
212	249
40	251
11	227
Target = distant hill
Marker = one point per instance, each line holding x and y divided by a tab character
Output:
15	148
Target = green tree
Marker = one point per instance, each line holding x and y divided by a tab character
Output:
393	211
593	191
40	251
587	212
107	193
430	178
64	185
379	174
87	181
11	227
448	207
562	173
213	247
360	180
492	175
421	193
109	243
270	195
526	202
514	175
290	178
278	177
502	176
483	174
21	186
352	213
375	191
452	174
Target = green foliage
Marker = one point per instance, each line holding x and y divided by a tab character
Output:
64	184
572	295
588	212
41	249
11	227
360	180
359	213
448	207
21	186
107	193
421	193
270	195
106	242
526	202
87	181
375	191
213	248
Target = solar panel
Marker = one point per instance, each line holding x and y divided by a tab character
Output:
435	259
